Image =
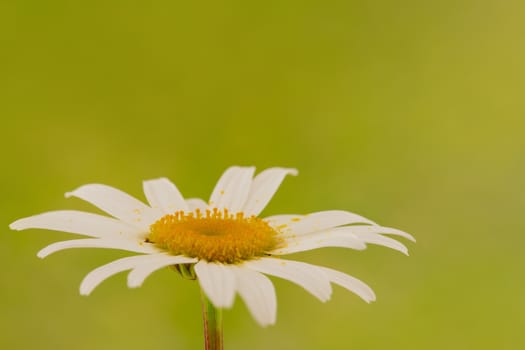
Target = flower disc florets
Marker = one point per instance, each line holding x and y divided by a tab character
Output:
215	236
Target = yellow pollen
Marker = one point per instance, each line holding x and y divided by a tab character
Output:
216	235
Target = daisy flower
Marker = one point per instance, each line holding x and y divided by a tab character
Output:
223	243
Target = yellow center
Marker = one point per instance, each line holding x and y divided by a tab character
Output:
215	236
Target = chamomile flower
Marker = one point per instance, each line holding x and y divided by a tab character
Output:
224	242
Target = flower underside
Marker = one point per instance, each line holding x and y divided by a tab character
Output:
214	236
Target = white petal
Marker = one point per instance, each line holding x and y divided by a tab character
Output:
351	283
365	229
319	240
373	234
232	189
118	204
396	232
78	222
164	195
308	276
129	245
263	188
196	203
217	281
384	241
321	221
280	222
95	277
137	276
258	293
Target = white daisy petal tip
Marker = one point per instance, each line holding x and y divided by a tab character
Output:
45	252
410	237
86	288
155	179
16	226
350	283
396	232
292	171
23	224
72	193
133	282
84	291
79	190
369	300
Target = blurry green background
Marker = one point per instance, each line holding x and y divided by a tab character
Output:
408	112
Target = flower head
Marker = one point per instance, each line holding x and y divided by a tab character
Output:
225	243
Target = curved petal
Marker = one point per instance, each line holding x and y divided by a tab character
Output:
196	203
366	229
79	222
370	234
258	293
350	283
129	245
396	232
217	281
97	276
388	242
137	276
118	204
310	277
164	195
320	240
321	221
263	188
232	189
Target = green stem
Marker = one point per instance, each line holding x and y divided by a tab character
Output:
212	318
